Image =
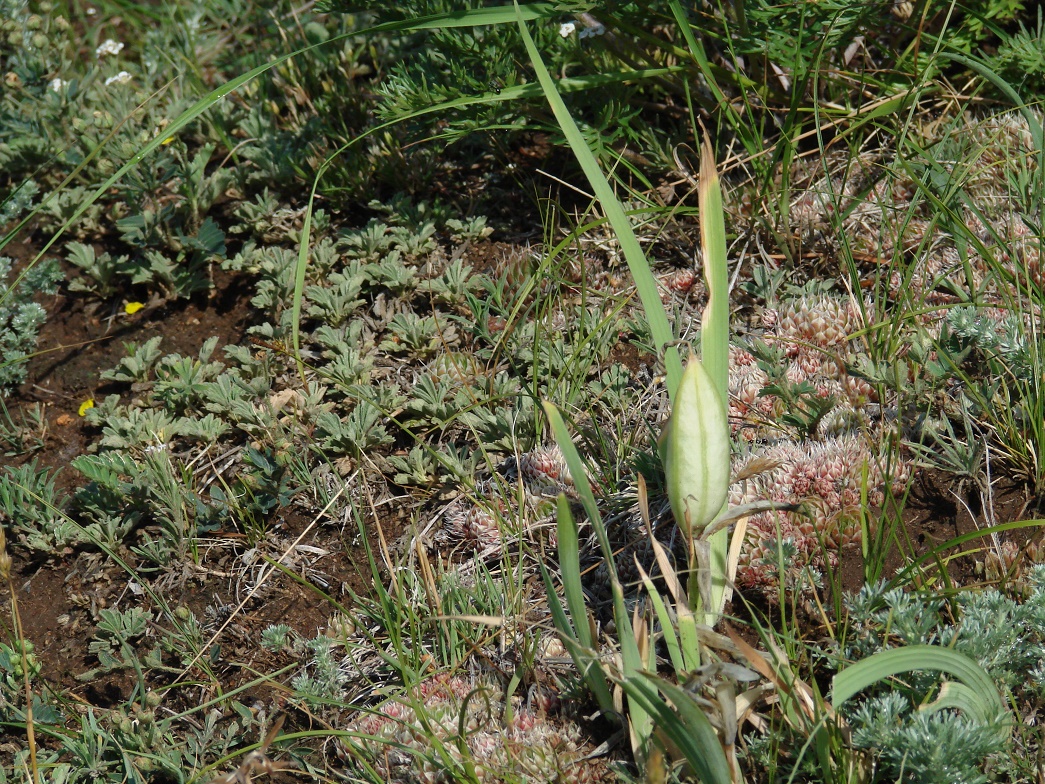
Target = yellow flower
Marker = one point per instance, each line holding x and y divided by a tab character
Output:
132	307
86	406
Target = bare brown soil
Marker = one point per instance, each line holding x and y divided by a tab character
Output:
58	599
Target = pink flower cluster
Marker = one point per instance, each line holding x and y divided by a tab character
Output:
477	524
451	722
813	333
472	527
543	471
896	229
827	479
678	282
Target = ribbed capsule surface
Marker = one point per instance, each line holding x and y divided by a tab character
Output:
695	450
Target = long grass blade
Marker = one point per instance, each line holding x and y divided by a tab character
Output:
569	563
667	623
714	341
689	729
630	657
636	259
714	327
752	141
980	689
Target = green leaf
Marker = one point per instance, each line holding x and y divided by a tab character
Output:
210	239
569	563
583	656
580	476
667	626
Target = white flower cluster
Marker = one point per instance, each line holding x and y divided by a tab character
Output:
566	29
108	46
57	85
120	78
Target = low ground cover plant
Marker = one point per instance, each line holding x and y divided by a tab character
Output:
576	392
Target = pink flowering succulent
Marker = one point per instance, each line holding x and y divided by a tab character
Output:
450	723
826	480
477	524
814	335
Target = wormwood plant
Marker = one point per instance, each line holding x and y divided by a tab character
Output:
21	317
914	739
998	365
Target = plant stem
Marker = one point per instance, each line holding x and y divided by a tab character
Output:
30	732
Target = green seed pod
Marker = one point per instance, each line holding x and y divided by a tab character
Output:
316	33
62	23
33	22
39	40
695	451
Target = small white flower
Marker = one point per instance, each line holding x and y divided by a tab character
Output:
566	29
108	46
57	85
92	11
597	29
120	78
